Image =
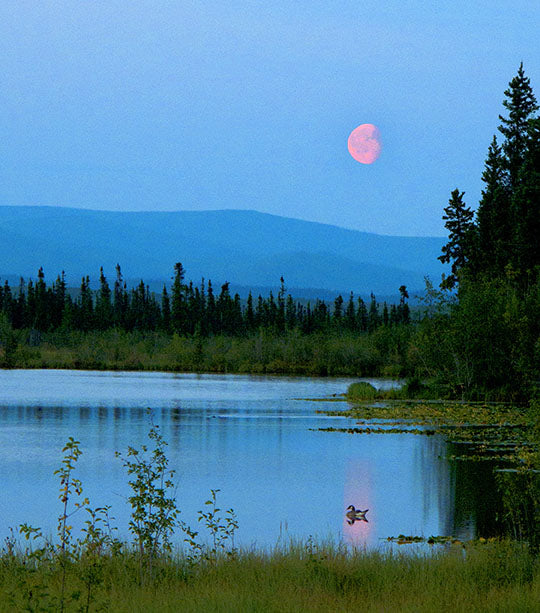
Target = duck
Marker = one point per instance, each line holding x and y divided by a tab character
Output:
354	514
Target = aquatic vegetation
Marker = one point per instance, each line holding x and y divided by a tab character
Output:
388	430
430	540
483	431
505	436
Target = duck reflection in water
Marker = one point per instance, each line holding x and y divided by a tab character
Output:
354	515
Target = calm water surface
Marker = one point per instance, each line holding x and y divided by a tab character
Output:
252	437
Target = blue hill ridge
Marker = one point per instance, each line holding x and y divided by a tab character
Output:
247	248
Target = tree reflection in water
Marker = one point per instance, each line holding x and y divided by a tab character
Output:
520	491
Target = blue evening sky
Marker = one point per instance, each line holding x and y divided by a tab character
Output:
199	104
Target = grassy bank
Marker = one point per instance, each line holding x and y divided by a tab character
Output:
291	353
497	576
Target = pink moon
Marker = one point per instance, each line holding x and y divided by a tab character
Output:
364	143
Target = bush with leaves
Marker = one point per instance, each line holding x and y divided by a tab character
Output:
153	500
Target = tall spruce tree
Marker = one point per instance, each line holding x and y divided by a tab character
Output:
461	229
120	299
43	310
403	311
362	315
290	313
85	304
165	310
250	314
178	306
521	105
338	310
210	310
280	314
350	315
59	300
494	216
374	320
104	308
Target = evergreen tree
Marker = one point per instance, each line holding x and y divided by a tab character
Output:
394	318
42	310
521	105
461	231
362	315
104	307
308	326
165	310
290	313
338	310
373	318
192	308
494	216
179	306
236	317
270	311
200	297
280	314
30	306
526	204
350	314
210	310
59	300
137	312
385	317
403	312
321	315
85	306
19	307
250	314
226	311
7	301
120	299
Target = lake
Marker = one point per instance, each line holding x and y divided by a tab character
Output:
255	438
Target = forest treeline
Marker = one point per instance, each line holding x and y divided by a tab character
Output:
477	335
185	309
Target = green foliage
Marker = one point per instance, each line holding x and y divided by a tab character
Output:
85	554
221	530
72	573
361	391
153	501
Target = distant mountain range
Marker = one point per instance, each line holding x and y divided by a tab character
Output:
247	248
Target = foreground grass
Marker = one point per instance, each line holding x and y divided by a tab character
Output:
496	576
